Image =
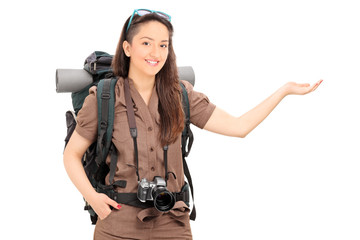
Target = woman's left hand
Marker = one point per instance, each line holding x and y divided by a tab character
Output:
300	89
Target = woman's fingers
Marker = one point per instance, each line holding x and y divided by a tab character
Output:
113	203
101	205
303	88
316	85
304	85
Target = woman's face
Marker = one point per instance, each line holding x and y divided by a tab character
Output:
149	50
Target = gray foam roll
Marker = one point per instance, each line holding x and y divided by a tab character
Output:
187	73
73	80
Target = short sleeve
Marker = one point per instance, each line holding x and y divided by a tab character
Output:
200	106
87	118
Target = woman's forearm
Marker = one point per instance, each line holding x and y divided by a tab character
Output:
76	172
223	123
250	120
73	153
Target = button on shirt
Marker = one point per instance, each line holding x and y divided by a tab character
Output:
151	155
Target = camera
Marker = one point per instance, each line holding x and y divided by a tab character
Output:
156	191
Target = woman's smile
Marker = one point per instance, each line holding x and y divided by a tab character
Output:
152	62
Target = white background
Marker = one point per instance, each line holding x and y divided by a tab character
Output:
296	176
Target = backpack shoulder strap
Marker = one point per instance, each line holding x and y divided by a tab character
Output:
187	136
106	109
187	139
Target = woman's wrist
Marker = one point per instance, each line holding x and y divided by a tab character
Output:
90	195
284	90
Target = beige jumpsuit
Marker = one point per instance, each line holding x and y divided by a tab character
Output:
131	222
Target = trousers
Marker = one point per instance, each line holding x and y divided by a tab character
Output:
146	224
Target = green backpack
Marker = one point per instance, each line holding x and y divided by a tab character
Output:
98	64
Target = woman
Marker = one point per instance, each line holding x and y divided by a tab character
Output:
146	59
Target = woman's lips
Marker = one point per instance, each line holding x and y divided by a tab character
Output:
152	62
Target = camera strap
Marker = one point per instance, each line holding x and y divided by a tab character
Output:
132	122
133	130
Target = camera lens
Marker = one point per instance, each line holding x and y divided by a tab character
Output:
163	200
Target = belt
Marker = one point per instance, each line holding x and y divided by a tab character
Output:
132	199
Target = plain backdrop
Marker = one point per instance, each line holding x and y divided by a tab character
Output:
296	176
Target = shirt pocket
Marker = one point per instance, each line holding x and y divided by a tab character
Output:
121	131
126	166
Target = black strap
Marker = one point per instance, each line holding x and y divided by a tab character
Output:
187	139
106	106
113	163
166	163
132	199
103	111
188	176
130	109
132	123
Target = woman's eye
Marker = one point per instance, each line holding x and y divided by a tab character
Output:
163	46
146	43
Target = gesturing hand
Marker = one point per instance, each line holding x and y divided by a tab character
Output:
300	89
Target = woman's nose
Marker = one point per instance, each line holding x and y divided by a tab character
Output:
155	52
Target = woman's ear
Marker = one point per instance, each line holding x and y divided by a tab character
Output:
126	48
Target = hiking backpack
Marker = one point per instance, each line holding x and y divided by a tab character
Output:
98	64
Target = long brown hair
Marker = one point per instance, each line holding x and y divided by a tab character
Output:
166	80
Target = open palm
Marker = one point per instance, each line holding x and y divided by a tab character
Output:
301	88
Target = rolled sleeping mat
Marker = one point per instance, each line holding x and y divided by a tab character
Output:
187	73
73	80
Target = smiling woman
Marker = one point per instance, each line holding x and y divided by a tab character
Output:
148	52
145	65
145	62
147	38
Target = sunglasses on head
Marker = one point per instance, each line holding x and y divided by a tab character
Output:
142	12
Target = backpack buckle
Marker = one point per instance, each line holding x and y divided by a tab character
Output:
105	96
133	132
93	66
103	124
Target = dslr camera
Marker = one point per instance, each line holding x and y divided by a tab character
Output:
156	191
